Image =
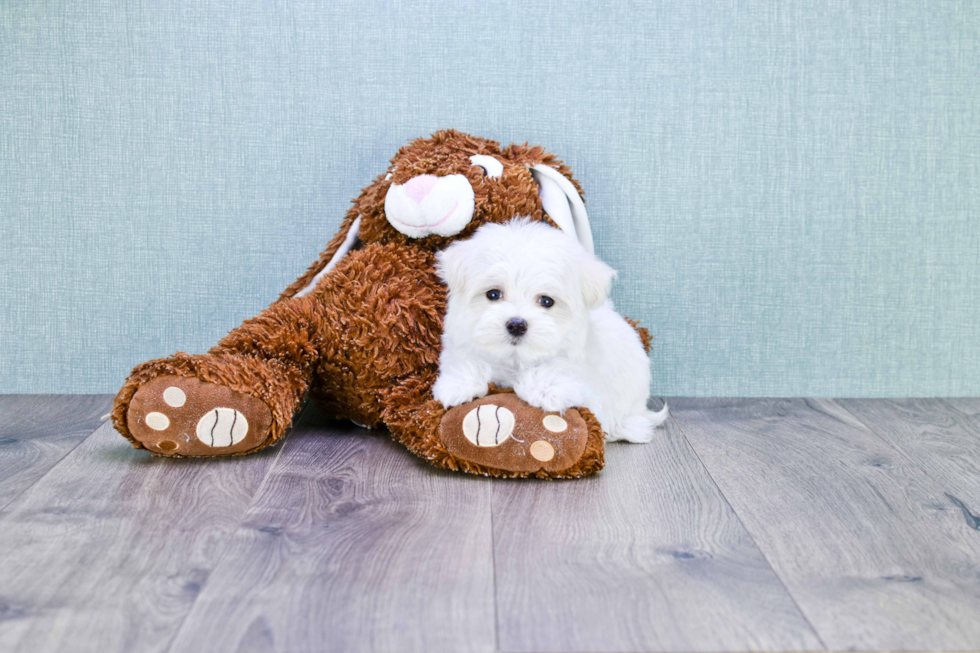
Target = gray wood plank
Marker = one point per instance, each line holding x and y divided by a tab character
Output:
866	542
967	409
969	406
646	556
36	431
353	544
936	437
109	549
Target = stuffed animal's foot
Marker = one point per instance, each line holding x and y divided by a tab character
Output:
502	435
182	416
207	405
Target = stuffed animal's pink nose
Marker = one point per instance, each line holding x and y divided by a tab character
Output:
418	187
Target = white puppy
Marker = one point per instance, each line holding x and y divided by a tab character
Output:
528	310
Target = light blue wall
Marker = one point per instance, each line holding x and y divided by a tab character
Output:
790	190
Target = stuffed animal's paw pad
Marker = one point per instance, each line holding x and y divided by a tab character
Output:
183	416
503	432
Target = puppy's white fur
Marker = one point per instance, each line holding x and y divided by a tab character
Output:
578	352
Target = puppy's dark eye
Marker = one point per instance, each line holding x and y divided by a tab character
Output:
546	301
494	295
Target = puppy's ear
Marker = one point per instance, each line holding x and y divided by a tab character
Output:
453	265
596	281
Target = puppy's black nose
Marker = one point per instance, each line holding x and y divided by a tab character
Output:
516	327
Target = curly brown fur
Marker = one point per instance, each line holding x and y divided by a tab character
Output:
643	332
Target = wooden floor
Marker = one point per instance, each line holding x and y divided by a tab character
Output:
747	524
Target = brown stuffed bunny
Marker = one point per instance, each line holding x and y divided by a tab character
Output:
360	330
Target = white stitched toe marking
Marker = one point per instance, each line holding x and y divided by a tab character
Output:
157	421
555	424
222	427
174	396
488	425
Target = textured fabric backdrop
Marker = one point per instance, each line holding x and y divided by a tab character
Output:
790	190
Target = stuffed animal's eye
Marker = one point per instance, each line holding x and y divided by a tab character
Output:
491	167
546	301
494	295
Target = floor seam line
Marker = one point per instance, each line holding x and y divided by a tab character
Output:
748	532
54	466
493	567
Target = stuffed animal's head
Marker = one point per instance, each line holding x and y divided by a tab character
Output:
444	187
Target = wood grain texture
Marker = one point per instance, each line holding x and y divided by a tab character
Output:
109	550
967	410
353	544
646	556
870	546
342	541
936	436
968	406
36	431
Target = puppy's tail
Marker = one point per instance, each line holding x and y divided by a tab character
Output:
639	428
656	419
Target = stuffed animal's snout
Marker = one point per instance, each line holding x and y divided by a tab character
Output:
426	205
418	187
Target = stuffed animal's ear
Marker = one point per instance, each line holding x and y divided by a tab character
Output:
345	246
597	280
452	265
563	205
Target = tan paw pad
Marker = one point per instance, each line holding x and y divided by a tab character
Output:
157	421
554	423
174	396
542	450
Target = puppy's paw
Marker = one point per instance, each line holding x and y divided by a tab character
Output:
551	390
455	389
